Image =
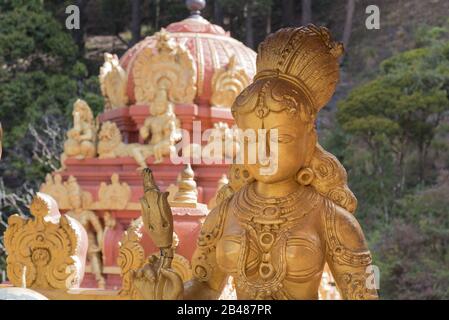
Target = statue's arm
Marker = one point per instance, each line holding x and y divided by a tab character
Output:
347	255
144	131
88	134
208	279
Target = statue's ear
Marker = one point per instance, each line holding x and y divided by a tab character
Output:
311	143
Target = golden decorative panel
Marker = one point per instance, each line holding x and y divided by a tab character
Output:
169	66
131	257
113	82
44	252
227	83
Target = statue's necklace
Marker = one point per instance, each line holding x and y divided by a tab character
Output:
266	223
256	210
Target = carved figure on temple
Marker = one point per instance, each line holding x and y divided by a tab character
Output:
277	231
162	127
54	187
115	195
227	83
110	145
92	224
81	138
113	82
170	61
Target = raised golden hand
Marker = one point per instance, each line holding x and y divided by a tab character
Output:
156	213
157	280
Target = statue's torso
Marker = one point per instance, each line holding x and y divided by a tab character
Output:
273	250
158	128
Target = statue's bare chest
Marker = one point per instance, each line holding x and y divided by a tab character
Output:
267	255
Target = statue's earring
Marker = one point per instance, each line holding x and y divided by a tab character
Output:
305	176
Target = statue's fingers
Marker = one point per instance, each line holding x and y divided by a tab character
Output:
153	259
172	276
150	274
137	273
175	285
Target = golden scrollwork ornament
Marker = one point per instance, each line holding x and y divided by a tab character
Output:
44	252
113	82
170	62
227	83
131	257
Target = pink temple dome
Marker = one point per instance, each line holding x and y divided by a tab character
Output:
210	46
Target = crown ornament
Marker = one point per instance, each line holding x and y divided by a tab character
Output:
305	57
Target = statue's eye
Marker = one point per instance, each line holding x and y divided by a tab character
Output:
284	138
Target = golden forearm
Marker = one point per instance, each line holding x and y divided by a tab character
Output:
355	283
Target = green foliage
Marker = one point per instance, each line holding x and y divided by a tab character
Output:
40	77
393	141
399	111
413	251
28	32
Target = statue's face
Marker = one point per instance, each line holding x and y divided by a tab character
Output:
295	140
114	178
158	107
160	103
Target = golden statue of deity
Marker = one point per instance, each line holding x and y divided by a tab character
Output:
275	232
91	224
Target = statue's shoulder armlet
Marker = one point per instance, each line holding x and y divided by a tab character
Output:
204	260
213	225
345	241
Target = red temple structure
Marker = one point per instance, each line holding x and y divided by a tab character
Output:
200	69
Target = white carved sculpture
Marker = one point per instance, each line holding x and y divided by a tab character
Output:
169	61
162	125
115	195
227	83
113	82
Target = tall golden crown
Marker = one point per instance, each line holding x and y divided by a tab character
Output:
305	56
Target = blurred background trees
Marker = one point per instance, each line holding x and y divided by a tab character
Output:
387	122
393	139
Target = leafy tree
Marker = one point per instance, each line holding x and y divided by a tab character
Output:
397	114
40	77
392	136
412	251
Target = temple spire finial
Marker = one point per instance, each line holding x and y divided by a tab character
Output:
195	7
